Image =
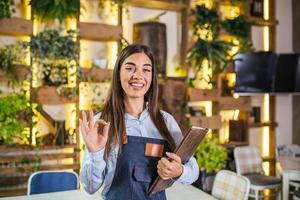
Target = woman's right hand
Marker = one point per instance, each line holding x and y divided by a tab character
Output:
94	140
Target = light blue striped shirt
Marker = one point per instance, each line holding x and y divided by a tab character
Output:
95	171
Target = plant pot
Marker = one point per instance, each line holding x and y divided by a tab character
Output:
154	35
205	181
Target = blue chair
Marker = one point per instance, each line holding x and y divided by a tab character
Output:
52	181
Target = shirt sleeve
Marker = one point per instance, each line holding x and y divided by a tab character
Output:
190	169
93	171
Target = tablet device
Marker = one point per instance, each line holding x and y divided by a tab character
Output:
185	151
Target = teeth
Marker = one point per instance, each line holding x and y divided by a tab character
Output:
137	84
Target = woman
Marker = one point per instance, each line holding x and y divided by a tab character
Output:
125	143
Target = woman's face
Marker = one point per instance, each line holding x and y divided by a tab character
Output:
136	75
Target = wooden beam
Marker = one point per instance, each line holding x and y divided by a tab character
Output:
255	21
27	168
213	122
204	94
16	26
52	156
155	4
230	103
97	75
99	32
48	95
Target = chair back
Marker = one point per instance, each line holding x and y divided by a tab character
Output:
52	181
247	160
229	185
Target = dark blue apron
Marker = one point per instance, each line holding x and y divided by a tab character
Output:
135	172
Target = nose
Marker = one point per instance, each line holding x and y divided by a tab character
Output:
137	74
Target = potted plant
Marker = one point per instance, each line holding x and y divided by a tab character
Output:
6	8
15	115
56	56
211	157
210	47
239	27
49	10
9	56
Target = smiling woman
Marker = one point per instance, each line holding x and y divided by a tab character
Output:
136	75
128	143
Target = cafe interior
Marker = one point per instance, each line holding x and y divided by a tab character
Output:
231	66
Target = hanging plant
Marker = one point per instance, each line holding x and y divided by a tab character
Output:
206	19
49	10
6	8
238	26
10	55
56	55
52	44
215	51
210	47
15	115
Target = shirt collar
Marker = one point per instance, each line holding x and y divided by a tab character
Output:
143	116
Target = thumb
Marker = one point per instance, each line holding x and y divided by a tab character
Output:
174	157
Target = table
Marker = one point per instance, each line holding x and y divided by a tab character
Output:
290	170
176	192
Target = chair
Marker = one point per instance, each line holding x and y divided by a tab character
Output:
229	185
52	181
248	163
296	195
292	151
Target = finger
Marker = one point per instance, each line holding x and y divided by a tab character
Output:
83	126
90	118
174	157
106	130
165	168
83	132
162	175
84	119
165	162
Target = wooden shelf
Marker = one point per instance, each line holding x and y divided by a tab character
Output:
213	122
97	75
264	124
204	94
48	95
19	162
16	26
99	32
28	168
44	157
5	148
235	144
230	103
256	21
21	72
6	192
155	4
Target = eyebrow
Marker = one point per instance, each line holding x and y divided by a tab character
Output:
131	63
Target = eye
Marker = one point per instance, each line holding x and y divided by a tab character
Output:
147	70
128	68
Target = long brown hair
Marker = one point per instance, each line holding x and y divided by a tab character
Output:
114	109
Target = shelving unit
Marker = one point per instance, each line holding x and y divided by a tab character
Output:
243	104
13	180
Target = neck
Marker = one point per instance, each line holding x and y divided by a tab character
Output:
134	107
